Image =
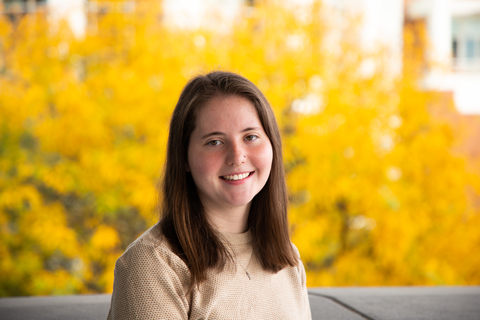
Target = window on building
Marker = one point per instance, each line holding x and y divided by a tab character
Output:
454	48
470	49
466	43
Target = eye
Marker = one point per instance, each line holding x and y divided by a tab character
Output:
214	142
251	137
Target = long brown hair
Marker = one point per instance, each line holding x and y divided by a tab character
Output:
183	219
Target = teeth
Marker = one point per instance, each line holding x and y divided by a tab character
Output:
237	176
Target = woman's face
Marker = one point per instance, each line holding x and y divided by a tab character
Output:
229	154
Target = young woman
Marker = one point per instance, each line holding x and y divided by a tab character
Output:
221	249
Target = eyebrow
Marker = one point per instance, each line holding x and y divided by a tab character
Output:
218	133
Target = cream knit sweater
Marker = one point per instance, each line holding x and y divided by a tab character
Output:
151	282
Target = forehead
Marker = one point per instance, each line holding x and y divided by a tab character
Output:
227	112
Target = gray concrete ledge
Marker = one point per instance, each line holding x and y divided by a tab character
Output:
392	303
462	303
78	307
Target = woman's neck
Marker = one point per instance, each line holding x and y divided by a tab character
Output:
230	220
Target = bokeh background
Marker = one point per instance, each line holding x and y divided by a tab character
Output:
382	168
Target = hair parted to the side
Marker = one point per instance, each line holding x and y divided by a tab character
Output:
183	219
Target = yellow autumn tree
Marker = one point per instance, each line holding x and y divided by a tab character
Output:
377	198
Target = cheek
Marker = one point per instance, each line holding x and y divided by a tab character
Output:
201	165
264	159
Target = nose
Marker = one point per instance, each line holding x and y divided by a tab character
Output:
236	155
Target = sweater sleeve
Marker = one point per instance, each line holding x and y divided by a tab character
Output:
148	284
305	292
303	277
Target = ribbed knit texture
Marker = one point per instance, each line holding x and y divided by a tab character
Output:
151	282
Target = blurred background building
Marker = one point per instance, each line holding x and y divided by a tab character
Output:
453	29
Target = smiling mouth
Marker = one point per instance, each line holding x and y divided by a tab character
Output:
235	177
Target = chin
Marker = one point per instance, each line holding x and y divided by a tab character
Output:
240	202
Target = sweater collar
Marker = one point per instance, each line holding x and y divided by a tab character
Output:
237	239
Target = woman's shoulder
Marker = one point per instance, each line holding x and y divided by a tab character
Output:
299	268
151	251
151	238
150	281
297	252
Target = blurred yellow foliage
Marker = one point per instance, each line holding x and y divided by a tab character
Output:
377	198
